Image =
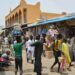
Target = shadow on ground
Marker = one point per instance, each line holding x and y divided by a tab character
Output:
28	70
45	74
44	67
55	69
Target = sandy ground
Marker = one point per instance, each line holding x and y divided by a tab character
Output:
28	68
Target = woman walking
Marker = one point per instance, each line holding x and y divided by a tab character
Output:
65	50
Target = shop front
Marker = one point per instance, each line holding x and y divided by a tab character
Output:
61	25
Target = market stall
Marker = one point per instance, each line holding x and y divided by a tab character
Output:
50	37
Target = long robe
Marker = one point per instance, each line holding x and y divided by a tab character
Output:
65	50
37	54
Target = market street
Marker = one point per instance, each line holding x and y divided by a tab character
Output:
37	37
28	68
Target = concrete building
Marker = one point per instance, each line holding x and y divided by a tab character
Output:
26	13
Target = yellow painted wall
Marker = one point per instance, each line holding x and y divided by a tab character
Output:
33	12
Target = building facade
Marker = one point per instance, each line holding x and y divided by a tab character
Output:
26	13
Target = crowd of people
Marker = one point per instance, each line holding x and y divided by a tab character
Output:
63	51
61	54
34	49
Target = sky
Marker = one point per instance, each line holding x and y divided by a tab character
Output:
52	6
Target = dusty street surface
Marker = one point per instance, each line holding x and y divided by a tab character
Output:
28	68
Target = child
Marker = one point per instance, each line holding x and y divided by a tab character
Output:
62	61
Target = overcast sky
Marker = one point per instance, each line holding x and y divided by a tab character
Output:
53	6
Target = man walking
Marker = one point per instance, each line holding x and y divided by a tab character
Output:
57	51
18	54
37	54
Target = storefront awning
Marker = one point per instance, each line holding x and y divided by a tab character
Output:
9	27
54	20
